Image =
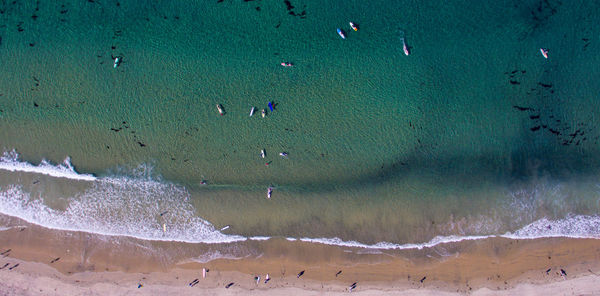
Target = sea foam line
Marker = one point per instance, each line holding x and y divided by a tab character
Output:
10	162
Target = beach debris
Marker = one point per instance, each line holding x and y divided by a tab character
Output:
193	283
203	272
300	274
354	26
267	278
229	285
423	279
287	64
283	154
225	227
220	109
257	279
544	52
269	192
263	153
54	260
352	287
14	266
5	265
263	113
252	111
117	62
338	273
161	214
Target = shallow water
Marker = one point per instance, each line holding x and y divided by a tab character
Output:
474	133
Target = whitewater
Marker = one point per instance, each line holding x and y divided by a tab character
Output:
129	206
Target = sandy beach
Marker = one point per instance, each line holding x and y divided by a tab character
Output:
96	265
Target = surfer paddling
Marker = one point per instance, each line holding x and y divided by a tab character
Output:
354	26
341	33
544	52
221	110
263	153
263	113
287	64
117	62
252	111
404	46
269	192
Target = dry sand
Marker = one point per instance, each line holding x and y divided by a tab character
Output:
104	265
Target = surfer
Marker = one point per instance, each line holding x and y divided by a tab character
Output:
221	110
287	64
267	278
263	153
117	62
271	106
264	113
283	154
404	46
544	52
352	287
269	192
252	111
354	26
341	33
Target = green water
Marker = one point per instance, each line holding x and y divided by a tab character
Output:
382	146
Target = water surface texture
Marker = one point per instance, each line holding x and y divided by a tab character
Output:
474	133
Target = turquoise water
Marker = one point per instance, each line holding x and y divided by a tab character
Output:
474	133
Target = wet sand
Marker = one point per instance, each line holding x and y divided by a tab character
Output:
93	264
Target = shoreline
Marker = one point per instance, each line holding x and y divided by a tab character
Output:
91	264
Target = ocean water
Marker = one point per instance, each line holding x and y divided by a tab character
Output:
474	134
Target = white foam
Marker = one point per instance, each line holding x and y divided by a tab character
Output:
10	162
213	255
573	226
389	246
259	238
120	207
